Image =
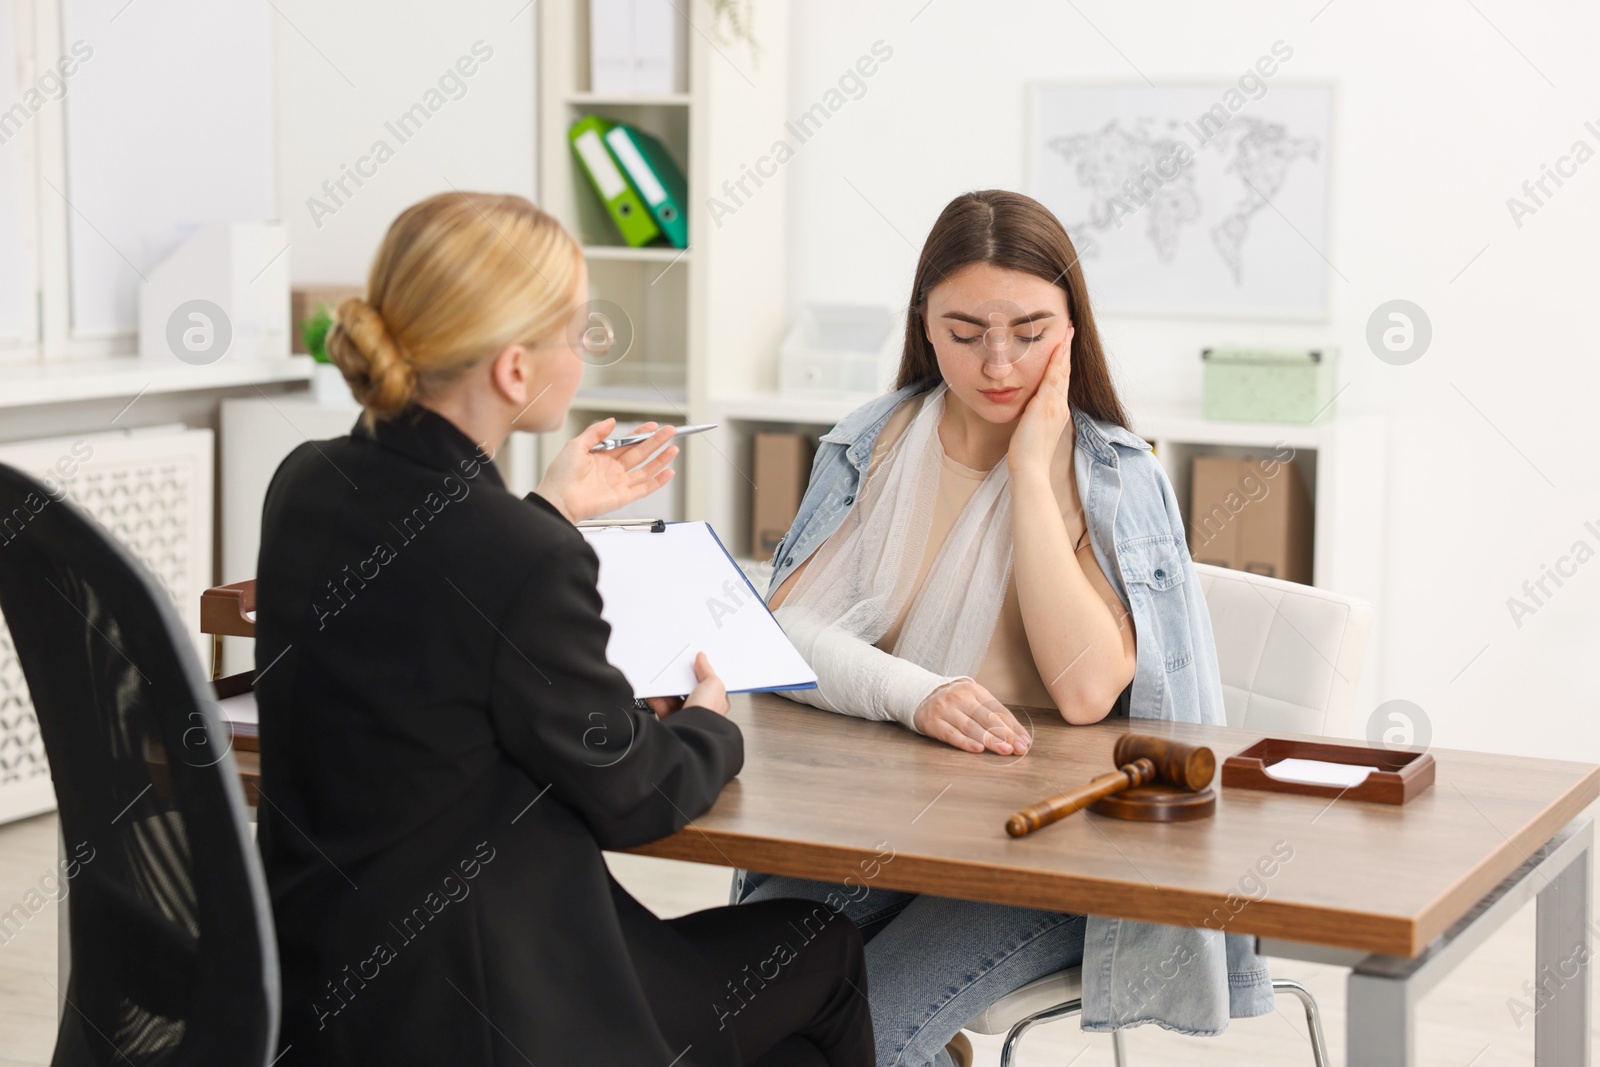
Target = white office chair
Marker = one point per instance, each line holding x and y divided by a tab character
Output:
1290	656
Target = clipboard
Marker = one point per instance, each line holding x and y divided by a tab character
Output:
671	589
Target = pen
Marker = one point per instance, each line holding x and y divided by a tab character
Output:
633	439
656	525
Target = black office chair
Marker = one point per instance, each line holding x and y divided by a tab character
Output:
173	956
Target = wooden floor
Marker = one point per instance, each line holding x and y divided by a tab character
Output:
1466	1022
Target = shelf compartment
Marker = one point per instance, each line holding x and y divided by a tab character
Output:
773	406
670	125
647	254
629	400
628	100
655	304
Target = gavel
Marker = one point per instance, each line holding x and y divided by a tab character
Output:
1141	760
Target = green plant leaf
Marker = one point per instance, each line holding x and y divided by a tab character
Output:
314	331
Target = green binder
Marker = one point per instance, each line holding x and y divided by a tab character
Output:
654	175
634	221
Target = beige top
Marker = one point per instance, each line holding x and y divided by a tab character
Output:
1007	670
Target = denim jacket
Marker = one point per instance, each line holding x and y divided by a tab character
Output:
1189	979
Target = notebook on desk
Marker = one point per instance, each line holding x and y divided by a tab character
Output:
671	592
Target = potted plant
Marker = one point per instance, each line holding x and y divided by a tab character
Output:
327	381
731	22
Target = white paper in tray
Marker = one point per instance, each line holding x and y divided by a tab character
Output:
1318	772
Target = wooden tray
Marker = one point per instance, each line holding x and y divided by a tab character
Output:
1400	775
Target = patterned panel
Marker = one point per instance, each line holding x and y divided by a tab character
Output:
21	753
153	492
147	506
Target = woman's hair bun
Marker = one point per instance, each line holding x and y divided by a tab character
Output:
380	374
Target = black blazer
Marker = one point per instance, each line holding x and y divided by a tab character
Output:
444	752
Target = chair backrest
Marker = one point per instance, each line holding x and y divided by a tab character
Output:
173	958
1290	655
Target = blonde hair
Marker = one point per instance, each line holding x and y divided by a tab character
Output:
459	276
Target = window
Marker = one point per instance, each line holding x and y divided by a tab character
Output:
124	127
19	326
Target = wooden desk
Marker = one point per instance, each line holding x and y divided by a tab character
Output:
818	795
1398	893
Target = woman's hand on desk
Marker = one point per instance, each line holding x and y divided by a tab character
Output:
708	693
582	484
968	716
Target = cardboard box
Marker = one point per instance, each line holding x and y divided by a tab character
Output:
303	301
1251	515
782	472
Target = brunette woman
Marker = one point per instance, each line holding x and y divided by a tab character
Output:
986	544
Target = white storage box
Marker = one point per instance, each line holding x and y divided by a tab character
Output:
210	299
841	348
638	47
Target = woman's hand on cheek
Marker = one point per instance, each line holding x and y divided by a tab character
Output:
1047	415
582	484
968	716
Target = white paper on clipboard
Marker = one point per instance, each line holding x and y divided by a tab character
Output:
676	592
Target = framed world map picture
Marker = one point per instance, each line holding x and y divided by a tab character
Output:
1190	199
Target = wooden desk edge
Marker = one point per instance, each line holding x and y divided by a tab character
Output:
1141	901
1135	900
1456	901
1337	928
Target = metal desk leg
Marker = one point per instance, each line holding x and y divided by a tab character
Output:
1384	990
1380	1030
1563	960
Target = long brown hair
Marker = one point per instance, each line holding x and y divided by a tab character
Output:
1013	232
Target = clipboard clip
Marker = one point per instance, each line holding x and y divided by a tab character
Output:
654	525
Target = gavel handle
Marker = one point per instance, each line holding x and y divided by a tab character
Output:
1061	805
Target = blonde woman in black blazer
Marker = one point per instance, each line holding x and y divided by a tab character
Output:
446	750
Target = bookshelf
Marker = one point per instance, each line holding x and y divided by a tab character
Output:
707	319
1343	463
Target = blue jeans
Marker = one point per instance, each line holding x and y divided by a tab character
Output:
934	963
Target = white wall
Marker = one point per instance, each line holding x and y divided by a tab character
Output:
1439	120
343	71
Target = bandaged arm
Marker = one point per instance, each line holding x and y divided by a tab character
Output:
855	677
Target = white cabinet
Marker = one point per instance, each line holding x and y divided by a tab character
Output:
151	489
